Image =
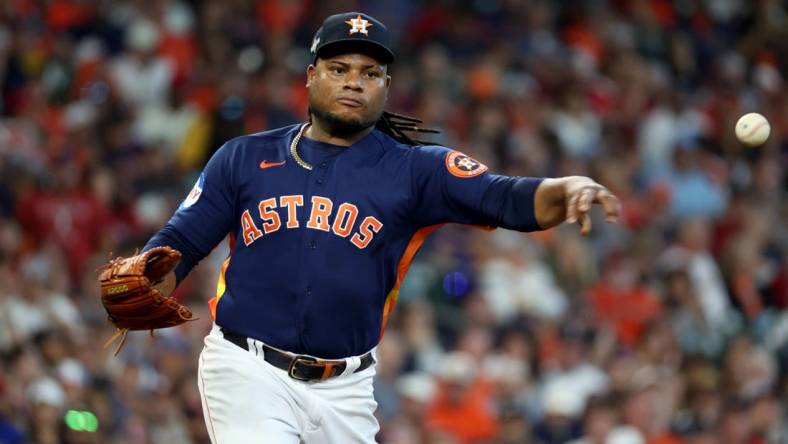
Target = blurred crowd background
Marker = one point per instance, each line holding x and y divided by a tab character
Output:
668	328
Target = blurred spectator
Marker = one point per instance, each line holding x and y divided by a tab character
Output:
693	192
517	283
462	407
141	76
567	386
599	419
621	301
691	252
562	408
691	327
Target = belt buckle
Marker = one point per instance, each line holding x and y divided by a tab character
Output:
294	362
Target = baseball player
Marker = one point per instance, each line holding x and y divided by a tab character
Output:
324	218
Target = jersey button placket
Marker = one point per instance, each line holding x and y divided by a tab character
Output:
321	174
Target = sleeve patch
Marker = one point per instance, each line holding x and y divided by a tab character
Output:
463	166
194	194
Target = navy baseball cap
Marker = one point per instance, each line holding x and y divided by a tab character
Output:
352	32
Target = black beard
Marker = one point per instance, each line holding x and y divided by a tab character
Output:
338	127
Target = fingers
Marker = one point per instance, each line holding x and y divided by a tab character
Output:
583	207
585	224
580	203
610	204
571	208
585	200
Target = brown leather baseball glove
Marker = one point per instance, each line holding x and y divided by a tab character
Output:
130	298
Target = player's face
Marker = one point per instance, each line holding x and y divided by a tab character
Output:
347	92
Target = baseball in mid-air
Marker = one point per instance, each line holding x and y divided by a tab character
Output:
752	129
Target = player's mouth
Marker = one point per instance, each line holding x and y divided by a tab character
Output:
351	102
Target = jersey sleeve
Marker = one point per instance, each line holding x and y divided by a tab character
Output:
204	217
450	186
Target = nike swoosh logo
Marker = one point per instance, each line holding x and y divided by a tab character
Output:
266	164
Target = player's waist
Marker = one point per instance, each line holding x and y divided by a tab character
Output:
300	367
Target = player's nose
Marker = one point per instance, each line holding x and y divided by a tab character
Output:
353	81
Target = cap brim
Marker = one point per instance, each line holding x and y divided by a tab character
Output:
355	45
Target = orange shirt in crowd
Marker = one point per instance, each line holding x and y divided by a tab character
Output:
471	419
627	310
666	438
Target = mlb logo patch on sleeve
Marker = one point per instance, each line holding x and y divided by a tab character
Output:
194	194
463	166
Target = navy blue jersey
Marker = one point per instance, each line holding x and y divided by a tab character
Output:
317	257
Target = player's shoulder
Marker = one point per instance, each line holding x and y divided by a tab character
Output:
430	158
432	152
418	152
270	139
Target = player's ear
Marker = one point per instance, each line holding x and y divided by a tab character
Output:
388	81
310	73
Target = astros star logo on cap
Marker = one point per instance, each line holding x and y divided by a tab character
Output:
358	24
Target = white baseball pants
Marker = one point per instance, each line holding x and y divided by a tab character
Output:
246	400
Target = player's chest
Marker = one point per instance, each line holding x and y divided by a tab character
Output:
356	201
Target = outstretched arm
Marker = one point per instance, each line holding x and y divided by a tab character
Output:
452	187
570	199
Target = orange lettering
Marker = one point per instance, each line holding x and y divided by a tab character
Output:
344	219
318	217
250	231
271	221
368	226
291	202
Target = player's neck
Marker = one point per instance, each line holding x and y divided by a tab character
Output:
318	132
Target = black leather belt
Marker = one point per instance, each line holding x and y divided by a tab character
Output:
300	367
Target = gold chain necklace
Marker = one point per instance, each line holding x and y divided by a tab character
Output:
294	151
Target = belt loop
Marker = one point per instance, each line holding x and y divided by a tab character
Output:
351	364
330	371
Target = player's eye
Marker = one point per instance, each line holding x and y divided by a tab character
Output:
337	69
373	74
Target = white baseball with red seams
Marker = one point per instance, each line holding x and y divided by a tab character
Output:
752	129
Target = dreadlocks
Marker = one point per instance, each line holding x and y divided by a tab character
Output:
395	126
